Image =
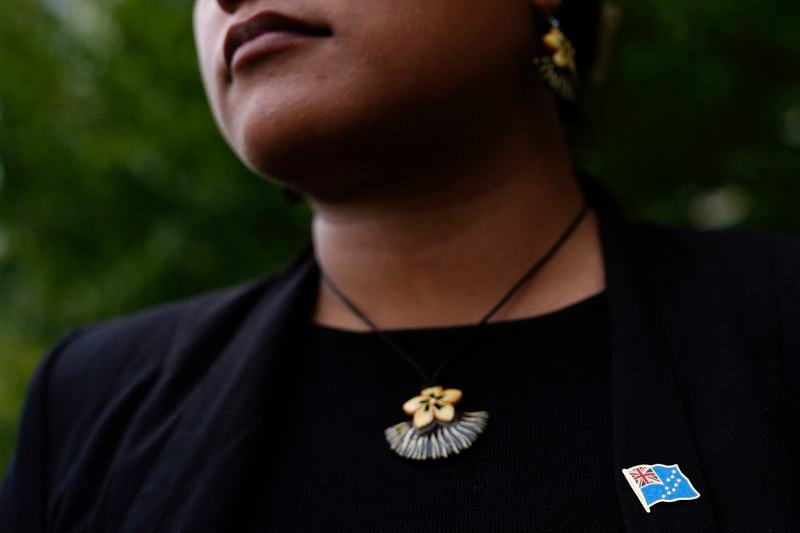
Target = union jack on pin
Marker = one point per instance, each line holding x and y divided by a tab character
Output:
659	483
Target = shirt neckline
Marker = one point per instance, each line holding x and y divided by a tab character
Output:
569	313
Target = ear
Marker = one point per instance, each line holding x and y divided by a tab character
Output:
545	6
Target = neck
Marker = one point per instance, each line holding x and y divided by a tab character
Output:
443	247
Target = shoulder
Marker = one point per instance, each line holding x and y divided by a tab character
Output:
721	257
144	337
728	283
119	362
115	365
143	340
756	274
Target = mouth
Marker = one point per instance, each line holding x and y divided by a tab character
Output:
270	26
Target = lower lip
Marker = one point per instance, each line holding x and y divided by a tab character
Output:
268	43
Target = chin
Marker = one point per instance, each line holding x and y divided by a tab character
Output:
286	145
301	140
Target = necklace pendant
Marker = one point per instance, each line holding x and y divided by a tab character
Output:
436	429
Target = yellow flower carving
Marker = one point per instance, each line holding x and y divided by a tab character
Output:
564	50
433	403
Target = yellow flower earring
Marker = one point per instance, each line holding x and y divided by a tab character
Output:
557	66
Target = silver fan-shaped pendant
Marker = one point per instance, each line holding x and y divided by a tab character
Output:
436	430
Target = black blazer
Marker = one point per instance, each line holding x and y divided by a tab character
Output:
146	423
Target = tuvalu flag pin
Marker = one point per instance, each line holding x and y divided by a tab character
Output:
659	483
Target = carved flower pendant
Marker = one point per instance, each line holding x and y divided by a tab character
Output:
436	430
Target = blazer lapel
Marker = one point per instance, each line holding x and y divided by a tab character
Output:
649	422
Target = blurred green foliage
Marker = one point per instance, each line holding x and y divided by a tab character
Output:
117	192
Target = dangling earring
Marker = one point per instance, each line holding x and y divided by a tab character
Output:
557	66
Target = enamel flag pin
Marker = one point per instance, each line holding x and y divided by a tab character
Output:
659	483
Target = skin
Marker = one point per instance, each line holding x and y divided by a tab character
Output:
429	150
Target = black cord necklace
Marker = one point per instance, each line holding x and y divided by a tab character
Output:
437	430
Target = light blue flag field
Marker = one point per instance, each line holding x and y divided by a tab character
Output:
659	483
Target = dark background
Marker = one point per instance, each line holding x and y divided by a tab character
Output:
117	192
